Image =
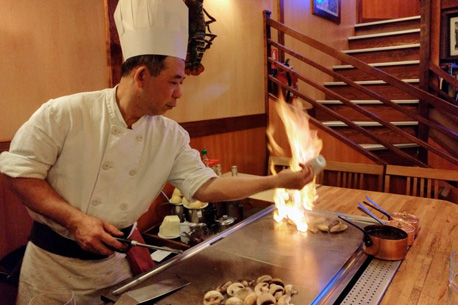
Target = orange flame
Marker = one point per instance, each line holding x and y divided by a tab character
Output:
305	145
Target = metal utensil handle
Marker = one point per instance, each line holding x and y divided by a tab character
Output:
367	239
363	208
346	219
136	243
379	208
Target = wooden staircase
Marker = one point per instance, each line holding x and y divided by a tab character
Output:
392	46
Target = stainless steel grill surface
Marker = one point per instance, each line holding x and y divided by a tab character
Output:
318	265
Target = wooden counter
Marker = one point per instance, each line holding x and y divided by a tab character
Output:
423	275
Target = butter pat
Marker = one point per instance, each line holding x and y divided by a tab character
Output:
170	226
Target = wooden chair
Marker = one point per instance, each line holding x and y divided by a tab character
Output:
353	175
277	164
342	174
421	182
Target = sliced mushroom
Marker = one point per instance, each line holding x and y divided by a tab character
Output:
233	288
266	299
339	228
289	290
277	281
223	287
264	279
213	297
323	227
233	301
276	291
243	293
284	300
261	287
251	299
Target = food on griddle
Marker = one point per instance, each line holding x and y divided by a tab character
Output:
264	290
336	226
213	297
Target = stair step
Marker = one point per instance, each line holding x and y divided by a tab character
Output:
399	69
374	147
387	54
380	64
388	25
368	102
376	107
376	129
385	39
377	86
369	123
370	82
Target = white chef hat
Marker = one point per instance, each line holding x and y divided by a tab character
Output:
152	27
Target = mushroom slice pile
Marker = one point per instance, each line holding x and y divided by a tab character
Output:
265	290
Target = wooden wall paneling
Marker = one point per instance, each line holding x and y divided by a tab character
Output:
446	4
388	9
114	52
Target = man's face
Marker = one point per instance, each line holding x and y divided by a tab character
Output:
161	92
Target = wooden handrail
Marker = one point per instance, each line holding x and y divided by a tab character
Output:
448	109
348	122
363	111
450	80
371	93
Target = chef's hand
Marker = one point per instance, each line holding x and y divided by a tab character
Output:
94	235
295	180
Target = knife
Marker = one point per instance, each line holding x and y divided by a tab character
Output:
133	243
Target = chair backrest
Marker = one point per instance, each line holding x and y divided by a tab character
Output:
341	174
421	182
353	175
277	164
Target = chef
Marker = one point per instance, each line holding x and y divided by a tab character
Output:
88	165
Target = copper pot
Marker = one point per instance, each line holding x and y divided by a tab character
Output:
381	241
409	218
405	226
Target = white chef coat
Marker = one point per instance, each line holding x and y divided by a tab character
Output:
81	145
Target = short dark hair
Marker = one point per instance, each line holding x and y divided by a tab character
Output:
154	63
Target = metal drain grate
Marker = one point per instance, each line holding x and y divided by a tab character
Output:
372	284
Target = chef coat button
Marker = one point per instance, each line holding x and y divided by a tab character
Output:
107	165
132	172
96	201
139	138
124	206
115	130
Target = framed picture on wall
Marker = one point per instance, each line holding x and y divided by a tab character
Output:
449	35
329	9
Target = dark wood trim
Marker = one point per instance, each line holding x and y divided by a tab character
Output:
445	4
208	127
114	52
425	58
359	11
5	145
217	126
281	35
